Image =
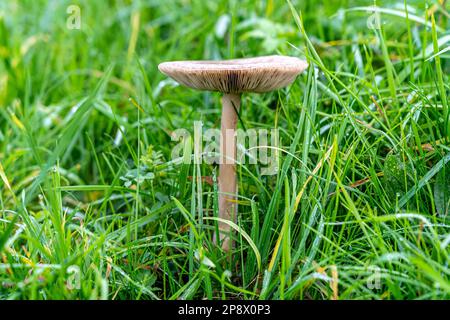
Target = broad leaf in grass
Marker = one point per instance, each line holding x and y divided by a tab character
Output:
395	178
4	236
200	256
442	191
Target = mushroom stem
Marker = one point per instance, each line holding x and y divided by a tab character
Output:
227	170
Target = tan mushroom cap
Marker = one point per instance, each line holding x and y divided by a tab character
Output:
260	74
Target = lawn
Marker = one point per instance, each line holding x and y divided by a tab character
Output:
93	204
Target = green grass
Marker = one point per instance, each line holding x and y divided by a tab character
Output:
88	190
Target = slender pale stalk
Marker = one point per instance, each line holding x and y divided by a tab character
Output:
227	171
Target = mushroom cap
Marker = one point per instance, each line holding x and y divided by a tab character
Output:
260	74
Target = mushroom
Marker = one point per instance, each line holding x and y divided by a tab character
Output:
233	77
